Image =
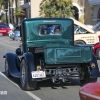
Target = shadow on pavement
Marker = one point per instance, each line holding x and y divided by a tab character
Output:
13	79
48	83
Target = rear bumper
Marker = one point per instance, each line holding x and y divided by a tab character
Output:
59	74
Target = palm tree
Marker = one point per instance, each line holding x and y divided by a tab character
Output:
3	5
6	5
19	12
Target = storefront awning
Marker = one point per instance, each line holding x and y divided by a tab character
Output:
94	2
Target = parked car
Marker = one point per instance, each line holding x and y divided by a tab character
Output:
84	34
50	55
90	91
4	24
4	29
90	26
96	49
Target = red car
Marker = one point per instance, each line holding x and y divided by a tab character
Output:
90	91
96	49
4	29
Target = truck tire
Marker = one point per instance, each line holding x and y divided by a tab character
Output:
98	53
79	42
7	69
87	79
26	84
93	79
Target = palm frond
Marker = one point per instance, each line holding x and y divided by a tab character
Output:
19	12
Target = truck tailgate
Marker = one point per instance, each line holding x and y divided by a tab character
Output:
74	54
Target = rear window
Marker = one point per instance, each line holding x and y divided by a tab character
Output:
49	29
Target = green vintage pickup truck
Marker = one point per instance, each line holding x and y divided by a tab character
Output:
48	52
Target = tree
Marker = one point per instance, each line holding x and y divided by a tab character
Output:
19	12
3	5
56	8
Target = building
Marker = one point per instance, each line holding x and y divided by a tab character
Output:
83	11
27	8
96	10
81	7
13	4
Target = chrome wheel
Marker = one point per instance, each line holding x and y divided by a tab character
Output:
26	83
7	69
23	75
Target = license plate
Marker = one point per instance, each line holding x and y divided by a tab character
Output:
38	74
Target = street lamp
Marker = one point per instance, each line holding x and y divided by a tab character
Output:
6	10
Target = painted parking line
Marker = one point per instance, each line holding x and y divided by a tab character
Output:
28	92
7	45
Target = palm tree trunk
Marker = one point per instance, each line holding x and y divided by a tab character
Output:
16	8
9	11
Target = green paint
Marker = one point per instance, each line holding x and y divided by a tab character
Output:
58	49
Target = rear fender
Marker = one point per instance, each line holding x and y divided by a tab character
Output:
29	59
95	70
13	63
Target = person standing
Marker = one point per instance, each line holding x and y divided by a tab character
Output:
11	26
16	32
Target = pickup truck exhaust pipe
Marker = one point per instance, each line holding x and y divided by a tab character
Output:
65	80
56	81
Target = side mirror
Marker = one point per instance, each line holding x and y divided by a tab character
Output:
18	51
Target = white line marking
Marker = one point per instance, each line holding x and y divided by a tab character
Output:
7	45
32	95
28	92
8	79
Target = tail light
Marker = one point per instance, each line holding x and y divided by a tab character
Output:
99	38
